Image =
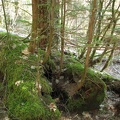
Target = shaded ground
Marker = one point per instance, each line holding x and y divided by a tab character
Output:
107	111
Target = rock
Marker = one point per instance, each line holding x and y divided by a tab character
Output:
90	96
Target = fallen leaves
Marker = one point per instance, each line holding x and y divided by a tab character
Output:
87	116
25	51
14	46
17	83
52	107
33	67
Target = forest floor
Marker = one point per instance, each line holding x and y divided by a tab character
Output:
107	109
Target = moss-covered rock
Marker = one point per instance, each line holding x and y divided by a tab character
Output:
91	95
23	82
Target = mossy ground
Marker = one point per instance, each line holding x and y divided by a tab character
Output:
22	98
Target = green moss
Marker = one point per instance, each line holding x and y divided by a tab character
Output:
3	35
74	105
22	99
92	94
100	97
23	108
50	64
45	86
87	99
76	68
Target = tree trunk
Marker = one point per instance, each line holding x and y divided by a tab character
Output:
51	24
32	44
90	37
43	23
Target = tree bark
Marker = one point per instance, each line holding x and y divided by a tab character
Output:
43	23
63	8
51	22
32	44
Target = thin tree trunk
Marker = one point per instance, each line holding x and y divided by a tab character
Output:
43	23
32	44
109	58
100	32
51	31
6	24
114	21
63	8
56	41
71	91
90	37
